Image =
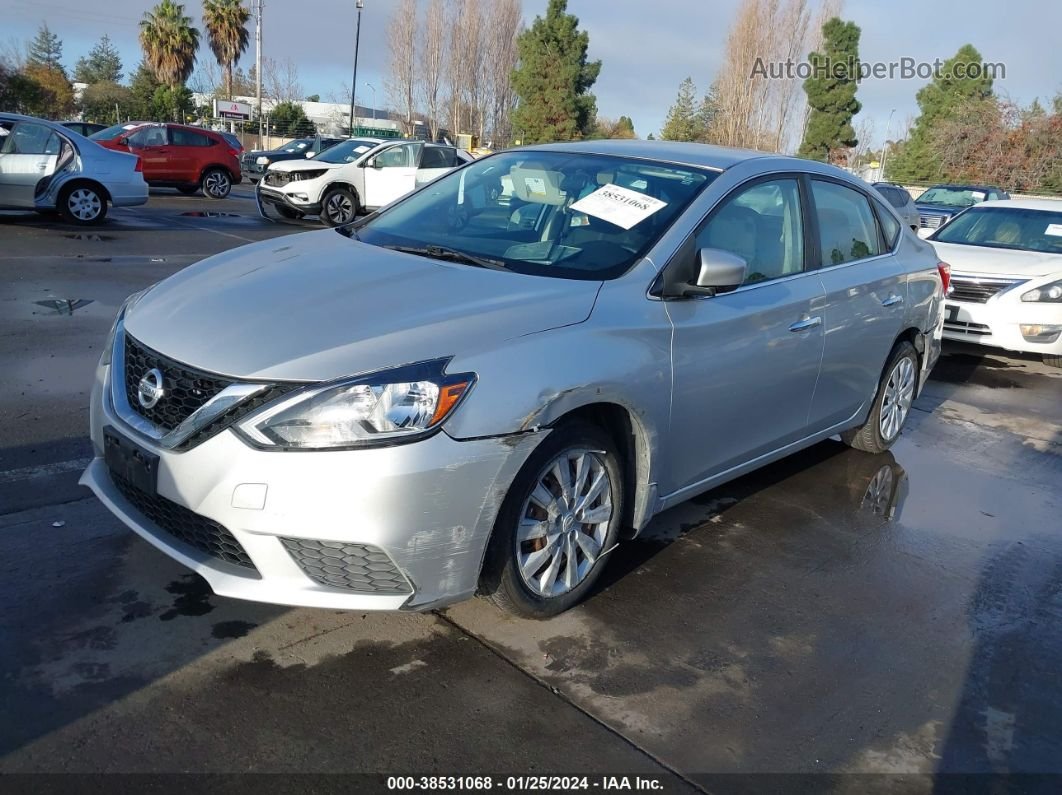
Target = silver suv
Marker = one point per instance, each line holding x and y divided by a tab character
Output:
489	384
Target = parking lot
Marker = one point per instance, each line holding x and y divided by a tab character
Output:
836	612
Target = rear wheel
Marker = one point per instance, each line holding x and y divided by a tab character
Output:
557	524
339	206
83	204
1052	361
892	405
216	183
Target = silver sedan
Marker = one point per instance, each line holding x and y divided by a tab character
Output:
46	166
487	385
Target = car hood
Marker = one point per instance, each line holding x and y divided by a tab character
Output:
318	306
998	261
303	164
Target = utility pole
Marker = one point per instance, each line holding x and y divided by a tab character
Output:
258	64
885	145
358	4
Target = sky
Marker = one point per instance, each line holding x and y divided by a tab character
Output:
646	48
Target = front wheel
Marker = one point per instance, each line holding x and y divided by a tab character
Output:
339	206
83	205
216	183
892	404
557	524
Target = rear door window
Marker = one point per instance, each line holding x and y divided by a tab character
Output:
182	137
848	230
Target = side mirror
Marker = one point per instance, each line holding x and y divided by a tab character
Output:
375	163
718	271
124	140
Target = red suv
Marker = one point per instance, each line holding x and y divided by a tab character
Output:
178	156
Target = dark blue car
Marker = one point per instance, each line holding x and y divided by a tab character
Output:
938	204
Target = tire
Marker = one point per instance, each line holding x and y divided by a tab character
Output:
287	212
1052	361
339	206
892	404
533	577
188	190
216	183
83	204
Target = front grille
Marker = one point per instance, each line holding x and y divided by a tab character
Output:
967	329
976	290
184	388
248	164
356	567
185	525
931	221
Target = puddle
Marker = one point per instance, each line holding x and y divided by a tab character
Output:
210	214
88	236
64	306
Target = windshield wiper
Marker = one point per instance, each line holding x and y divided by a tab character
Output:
451	255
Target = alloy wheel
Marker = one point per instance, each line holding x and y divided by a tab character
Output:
564	523
339	209
84	204
899	394
217	184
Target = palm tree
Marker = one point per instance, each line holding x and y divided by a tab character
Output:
225	22
169	42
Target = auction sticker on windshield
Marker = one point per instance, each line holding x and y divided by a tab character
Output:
620	206
1055	230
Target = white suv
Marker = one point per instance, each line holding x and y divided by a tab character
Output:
352	177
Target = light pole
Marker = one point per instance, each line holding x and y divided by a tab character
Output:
885	145
358	4
373	90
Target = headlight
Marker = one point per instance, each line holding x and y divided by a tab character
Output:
296	176
1048	293
262	161
384	408
127	304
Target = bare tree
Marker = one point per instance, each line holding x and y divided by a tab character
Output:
460	72
401	81
281	80
432	61
502	23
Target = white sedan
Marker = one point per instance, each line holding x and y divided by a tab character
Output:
356	176
1006	276
46	167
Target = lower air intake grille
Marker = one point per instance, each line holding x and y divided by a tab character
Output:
356	567
197	531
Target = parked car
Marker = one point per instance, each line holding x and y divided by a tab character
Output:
486	390
233	141
178	156
256	162
1006	287
45	166
356	176
901	200
938	204
85	128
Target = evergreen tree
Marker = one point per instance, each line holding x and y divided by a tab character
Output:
101	65
288	120
553	79
950	91
46	49
831	91
681	123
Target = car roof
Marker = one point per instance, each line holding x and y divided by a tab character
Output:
1051	205
675	152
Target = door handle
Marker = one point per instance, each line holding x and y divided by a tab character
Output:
892	300
806	323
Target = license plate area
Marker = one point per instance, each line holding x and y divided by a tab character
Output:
953	313
131	462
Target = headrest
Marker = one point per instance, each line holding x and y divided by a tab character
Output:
537	186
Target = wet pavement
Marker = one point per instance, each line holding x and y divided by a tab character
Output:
833	613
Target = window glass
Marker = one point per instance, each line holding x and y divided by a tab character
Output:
182	137
28	138
847	229
437	157
148	136
401	156
1006	227
761	224
889	225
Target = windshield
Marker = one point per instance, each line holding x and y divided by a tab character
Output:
952	197
1006	227
345	152
562	214
297	146
110	132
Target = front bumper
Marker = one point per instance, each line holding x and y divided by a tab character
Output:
272	196
997	323
429	505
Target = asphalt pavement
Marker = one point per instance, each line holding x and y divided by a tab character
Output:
836	620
